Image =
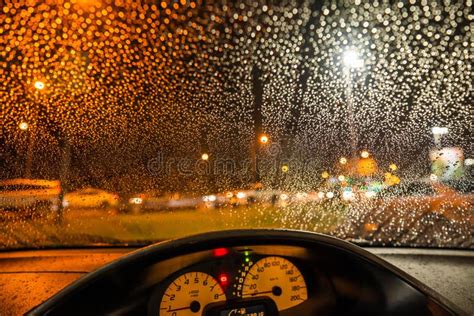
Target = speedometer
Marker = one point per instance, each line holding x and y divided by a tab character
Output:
277	278
189	294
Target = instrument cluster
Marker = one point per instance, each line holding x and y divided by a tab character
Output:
233	282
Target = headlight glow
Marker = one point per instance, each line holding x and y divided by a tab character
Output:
135	200
241	195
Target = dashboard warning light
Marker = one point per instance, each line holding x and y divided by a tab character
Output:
220	252
223	279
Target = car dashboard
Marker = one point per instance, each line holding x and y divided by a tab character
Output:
246	280
270	280
247	272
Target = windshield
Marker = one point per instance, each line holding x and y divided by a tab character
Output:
130	122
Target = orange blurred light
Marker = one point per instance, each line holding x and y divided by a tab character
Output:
366	167
370	227
264	139
39	85
23	126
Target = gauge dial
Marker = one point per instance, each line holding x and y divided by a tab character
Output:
278	279
189	294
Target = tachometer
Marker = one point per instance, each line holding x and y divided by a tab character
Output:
189	294
278	279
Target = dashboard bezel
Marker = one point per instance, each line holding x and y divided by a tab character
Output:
112	282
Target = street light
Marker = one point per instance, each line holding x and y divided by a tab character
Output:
343	160
364	154
23	126
351	59
204	156
393	167
325	175
341	178
39	85
264	139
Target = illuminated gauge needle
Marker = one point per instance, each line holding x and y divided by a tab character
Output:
194	307
276	290
178	309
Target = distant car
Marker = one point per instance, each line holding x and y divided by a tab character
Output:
30	197
157	201
271	197
243	197
180	200
217	200
153	200
282	199
327	194
90	198
252	196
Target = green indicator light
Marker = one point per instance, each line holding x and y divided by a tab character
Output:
247	259
246	253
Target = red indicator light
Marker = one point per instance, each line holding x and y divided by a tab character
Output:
223	279
220	252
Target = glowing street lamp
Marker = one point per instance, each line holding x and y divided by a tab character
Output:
351	59
264	139
341	178
364	154
39	85
325	175
23	126
343	160
393	167
205	157
284	168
